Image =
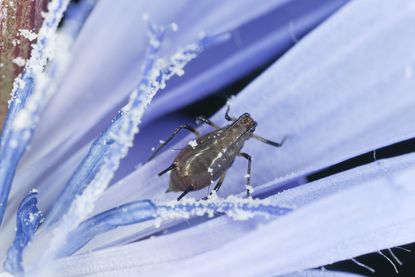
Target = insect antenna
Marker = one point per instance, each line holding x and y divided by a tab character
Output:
270	142
178	129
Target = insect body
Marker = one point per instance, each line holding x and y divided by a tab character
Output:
207	158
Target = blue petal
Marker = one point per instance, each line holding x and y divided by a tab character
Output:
144	210
126	214
320	273
331	129
95	52
86	170
105	151
56	141
370	206
331	107
254	44
40	169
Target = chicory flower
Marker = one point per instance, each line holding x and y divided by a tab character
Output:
344	89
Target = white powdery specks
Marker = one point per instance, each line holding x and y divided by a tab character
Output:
234	207
16	42
19	61
230	100
42	50
21	83
46	83
22	119
174	27
30	35
250	189
193	143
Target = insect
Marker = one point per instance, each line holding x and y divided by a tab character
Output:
206	159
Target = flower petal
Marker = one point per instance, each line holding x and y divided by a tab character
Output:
366	102
97	169
320	273
144	210
55	142
246	51
332	216
125	53
126	214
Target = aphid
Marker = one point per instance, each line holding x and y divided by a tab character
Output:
207	158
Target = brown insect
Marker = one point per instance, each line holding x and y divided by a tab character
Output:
207	158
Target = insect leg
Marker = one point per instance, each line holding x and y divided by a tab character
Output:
178	129
248	173
207	121
189	189
220	182
167	169
227	116
217	186
270	142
